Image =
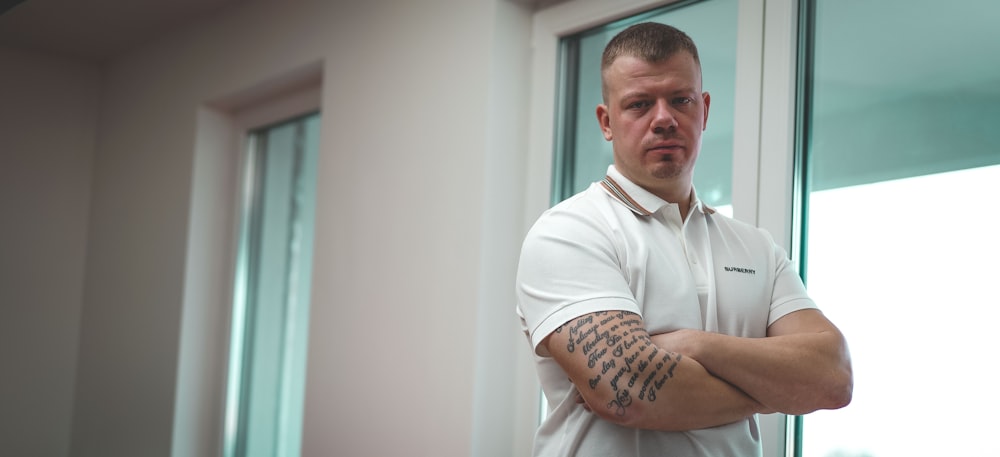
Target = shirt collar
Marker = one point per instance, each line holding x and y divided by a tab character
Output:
639	200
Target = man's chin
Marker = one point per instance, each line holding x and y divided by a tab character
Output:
666	171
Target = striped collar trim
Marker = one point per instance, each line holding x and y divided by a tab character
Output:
615	190
619	194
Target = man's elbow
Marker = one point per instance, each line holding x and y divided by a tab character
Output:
840	393
834	388
630	414
646	416
836	393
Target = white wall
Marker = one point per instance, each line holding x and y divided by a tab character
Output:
48	123
403	257
505	386
418	225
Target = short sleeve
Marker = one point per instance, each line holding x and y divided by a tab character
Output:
789	293
569	266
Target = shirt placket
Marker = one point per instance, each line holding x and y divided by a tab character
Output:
696	251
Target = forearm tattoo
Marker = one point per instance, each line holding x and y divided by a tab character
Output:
620	354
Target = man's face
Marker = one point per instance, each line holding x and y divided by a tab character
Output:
654	115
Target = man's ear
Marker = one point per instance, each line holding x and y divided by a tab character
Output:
604	119
708	101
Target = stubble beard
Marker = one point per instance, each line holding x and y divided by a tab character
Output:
667	169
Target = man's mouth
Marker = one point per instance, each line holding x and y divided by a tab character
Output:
665	147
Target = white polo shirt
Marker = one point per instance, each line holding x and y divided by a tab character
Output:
616	246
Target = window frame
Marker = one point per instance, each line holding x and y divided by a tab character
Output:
290	105
221	122
764	155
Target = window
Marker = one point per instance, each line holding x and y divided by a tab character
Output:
901	175
271	291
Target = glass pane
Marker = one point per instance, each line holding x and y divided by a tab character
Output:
270	318
901	226
583	156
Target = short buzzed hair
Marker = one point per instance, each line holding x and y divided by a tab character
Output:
649	41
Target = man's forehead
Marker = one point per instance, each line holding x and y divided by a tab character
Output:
677	59
678	55
632	70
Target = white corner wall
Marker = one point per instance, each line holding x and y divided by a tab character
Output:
505	387
419	220
48	124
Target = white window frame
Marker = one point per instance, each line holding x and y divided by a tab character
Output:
763	130
220	133
295	98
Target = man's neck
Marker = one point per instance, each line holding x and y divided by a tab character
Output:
679	195
677	190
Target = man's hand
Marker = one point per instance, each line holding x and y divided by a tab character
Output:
582	401
683	341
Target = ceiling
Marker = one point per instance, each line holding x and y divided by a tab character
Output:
96	30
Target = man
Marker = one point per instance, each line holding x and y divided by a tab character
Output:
662	328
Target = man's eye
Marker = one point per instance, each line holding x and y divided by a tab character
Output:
683	101
639	105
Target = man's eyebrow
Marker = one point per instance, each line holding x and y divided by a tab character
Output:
646	94
634	95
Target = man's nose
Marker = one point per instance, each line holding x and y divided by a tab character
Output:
663	117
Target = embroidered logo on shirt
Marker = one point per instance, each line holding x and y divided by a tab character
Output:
749	271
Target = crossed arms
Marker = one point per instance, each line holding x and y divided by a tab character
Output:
690	379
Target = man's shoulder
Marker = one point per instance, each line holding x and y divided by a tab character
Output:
722	219
590	204
587	217
735	227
